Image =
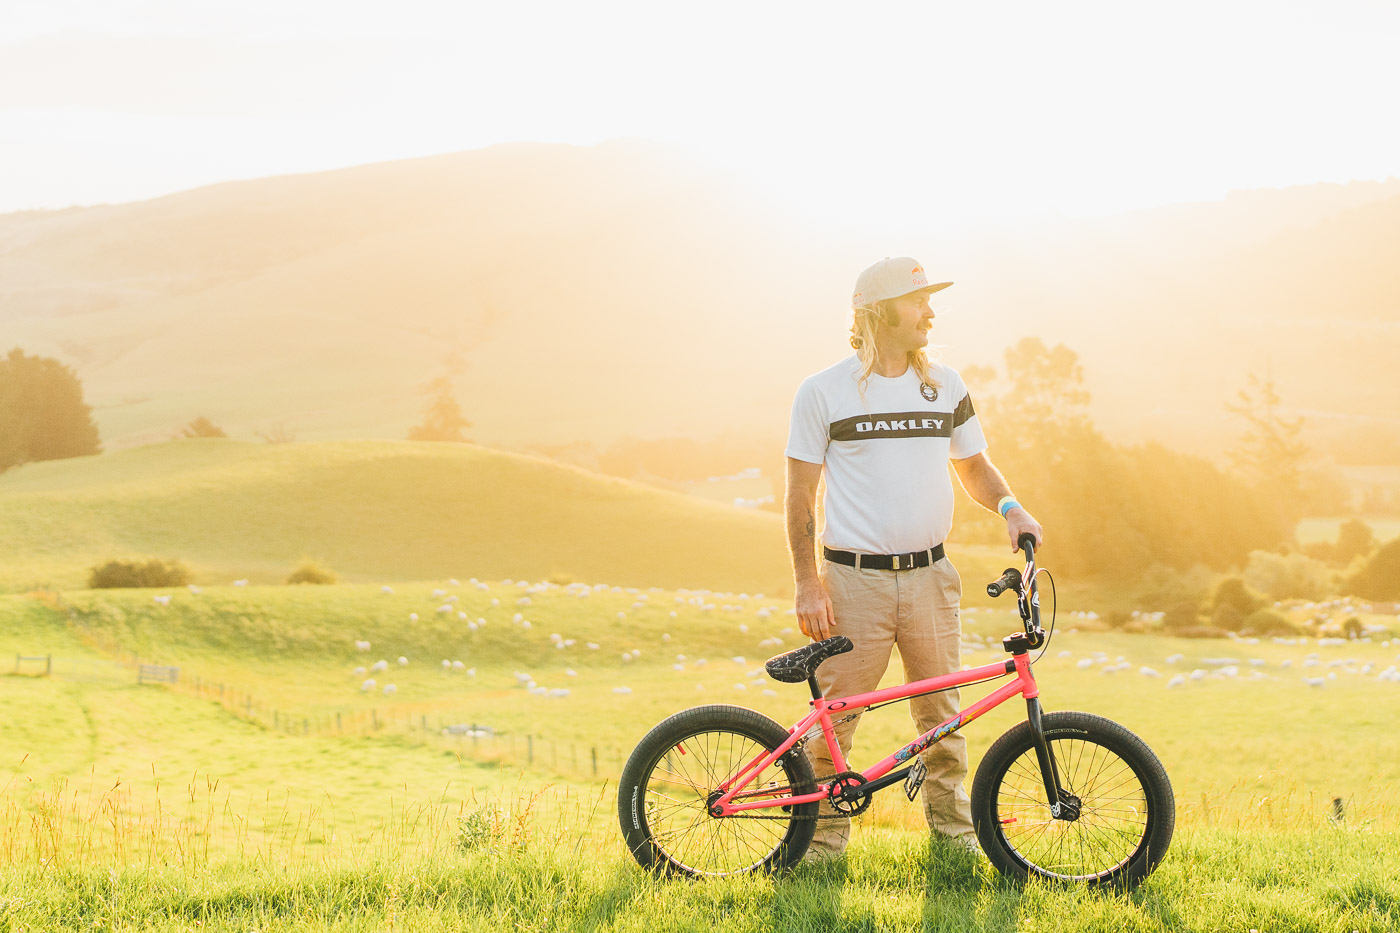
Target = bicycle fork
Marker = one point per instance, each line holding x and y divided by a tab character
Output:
1063	806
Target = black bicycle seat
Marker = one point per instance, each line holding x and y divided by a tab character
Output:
798	664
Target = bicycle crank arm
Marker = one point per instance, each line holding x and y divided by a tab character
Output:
894	777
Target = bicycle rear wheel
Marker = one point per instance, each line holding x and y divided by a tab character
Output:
663	800
1124	811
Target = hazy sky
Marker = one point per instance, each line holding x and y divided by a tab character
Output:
936	112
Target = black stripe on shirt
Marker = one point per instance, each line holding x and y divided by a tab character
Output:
894	424
963	412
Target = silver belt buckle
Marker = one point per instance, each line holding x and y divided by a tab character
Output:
901	559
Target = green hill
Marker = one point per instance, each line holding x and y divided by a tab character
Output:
375	512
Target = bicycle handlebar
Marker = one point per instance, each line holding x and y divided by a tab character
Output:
1023	583
1009	580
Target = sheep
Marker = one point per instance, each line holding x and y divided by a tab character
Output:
740	687
770	693
1084	662
380	665
622	690
445	607
446	664
403	661
471	672
1315	681
495	602
592	646
743	629
163	600
1175	658
665	636
559	692
1198	674
461	615
453	582
1148	672
386	589
621	614
360	671
458	665
390	690
194	590
367	685
413	617
570	672
243	582
673	613
361	645
439	594
739	659
1178	681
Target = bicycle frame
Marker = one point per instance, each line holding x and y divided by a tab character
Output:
734	799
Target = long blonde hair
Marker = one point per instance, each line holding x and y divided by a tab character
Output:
868	319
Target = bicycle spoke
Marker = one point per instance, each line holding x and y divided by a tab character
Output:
684	830
1111	824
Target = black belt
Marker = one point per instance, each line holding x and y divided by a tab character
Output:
885	561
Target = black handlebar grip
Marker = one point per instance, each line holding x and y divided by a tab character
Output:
1027	540
1009	580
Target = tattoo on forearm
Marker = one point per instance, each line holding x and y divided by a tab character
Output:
811	526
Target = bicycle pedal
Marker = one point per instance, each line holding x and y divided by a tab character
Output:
915	777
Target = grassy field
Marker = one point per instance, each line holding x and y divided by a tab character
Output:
272	788
157	807
374	511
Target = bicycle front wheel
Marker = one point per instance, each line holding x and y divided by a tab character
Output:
1119	797
665	790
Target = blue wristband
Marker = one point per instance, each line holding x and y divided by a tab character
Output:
1006	504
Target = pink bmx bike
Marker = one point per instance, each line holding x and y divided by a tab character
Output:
724	790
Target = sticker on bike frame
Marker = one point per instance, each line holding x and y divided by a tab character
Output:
913	748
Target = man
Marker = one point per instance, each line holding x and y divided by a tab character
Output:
884	424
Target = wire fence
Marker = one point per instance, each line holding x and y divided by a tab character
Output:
475	741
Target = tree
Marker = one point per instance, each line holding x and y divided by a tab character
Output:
42	413
201	427
1270	452
443	419
1354	539
1047	383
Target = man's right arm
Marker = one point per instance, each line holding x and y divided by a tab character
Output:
814	613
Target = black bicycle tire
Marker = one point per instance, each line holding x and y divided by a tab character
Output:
1084	727
738	720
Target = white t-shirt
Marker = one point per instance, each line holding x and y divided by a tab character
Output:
887	485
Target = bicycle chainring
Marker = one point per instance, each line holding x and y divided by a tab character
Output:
846	796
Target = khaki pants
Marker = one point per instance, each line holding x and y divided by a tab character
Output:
917	610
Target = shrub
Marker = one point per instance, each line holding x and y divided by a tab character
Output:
311	572
1270	622
1227	616
1234	592
1288	576
148	572
201	427
1117	618
1183	613
1201	631
1379	577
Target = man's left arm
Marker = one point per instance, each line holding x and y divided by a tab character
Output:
985	484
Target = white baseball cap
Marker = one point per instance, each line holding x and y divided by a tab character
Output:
890	278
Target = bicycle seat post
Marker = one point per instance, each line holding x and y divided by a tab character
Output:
812	683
